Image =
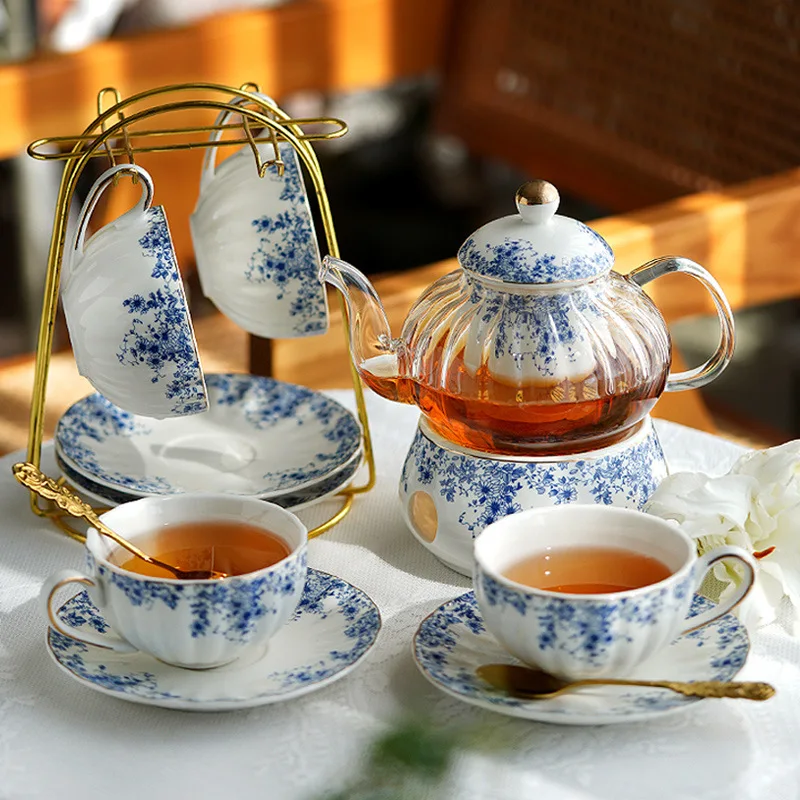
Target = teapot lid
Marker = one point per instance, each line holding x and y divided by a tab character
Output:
536	245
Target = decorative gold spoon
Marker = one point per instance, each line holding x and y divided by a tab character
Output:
32	477
533	684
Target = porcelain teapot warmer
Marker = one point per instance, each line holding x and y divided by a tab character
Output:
535	367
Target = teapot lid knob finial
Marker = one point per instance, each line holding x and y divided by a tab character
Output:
537	201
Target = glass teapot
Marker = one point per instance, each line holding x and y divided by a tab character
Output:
534	346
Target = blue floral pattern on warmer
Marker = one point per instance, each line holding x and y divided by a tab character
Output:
489	490
287	255
452	642
160	336
518	261
588	628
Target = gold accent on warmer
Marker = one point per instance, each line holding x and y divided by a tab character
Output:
533	684
119	132
537	193
423	514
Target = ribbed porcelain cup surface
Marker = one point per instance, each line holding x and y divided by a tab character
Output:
578	636
126	309
255	244
196	624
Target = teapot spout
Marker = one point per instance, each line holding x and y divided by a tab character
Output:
376	355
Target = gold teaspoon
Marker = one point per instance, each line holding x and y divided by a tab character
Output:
533	684
32	477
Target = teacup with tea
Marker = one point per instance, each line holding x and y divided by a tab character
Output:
592	591
197	624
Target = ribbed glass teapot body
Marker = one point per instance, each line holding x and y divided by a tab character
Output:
526	369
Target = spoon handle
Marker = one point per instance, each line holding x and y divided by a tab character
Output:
33	478
744	690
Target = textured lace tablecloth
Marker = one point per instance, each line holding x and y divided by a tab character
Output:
59	739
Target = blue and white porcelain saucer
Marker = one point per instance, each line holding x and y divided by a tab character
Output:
452	642
260	437
302	498
332	630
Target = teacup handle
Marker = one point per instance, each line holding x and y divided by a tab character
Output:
704	564
699	376
61	579
96	192
210	157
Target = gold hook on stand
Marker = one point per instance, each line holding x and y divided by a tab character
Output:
261	165
125	137
100	111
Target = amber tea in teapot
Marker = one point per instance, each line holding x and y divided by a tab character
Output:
481	412
534	346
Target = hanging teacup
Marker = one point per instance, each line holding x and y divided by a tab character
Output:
254	240
126	310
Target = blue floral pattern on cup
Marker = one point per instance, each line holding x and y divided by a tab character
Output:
232	609
160	335
339	620
517	260
587	629
452	642
287	255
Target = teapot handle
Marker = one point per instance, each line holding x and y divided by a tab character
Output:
699	376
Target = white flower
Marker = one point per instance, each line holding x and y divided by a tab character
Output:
755	506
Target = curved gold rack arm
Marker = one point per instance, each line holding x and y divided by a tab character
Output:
96	141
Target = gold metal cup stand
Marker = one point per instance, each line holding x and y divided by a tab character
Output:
115	134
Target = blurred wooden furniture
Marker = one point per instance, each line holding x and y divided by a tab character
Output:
626	107
319	45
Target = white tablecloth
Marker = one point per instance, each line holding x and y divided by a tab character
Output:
61	740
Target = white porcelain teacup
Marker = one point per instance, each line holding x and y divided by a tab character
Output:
256	250
575	635
196	624
126	310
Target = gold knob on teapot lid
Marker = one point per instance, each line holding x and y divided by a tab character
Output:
537	201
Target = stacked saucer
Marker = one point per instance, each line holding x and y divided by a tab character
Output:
260	438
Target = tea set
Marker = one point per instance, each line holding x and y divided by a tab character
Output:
535	367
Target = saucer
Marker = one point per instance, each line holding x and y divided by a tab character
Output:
260	437
100	495
452	642
332	630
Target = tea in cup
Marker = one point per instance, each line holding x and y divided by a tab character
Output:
196	624
592	591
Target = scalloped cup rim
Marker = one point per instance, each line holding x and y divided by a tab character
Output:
679	573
